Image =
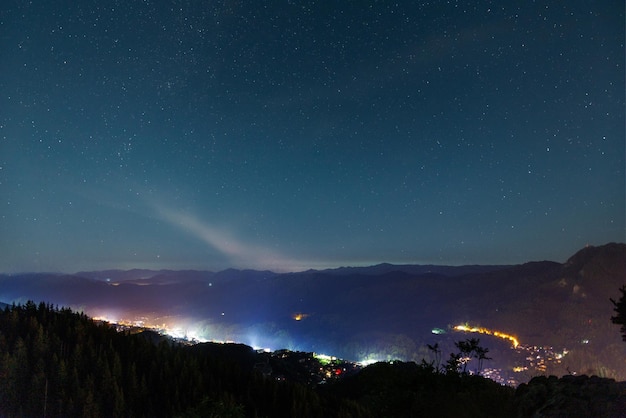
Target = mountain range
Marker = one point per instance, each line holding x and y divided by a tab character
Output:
382	312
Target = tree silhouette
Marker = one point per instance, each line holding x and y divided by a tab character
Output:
437	352
480	353
620	309
465	351
468	349
453	364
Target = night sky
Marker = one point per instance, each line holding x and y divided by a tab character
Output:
288	135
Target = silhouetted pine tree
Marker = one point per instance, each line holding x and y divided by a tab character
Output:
619	307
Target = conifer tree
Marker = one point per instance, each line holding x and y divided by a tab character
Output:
619	307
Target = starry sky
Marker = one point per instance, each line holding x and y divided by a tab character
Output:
288	135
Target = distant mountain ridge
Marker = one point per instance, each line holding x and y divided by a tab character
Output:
137	274
416	269
384	310
165	275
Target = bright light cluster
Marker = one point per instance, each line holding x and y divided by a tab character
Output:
486	331
299	316
324	357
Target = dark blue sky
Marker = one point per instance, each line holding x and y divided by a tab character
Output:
292	134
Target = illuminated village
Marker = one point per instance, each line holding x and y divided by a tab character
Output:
321	368
530	358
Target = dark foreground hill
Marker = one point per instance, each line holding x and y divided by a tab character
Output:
559	312
59	363
56	362
571	396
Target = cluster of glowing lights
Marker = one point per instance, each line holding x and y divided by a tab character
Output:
177	332
299	316
187	335
365	363
324	358
139	323
480	330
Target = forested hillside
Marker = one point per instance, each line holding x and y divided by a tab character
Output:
59	363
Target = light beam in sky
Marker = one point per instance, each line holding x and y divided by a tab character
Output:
238	252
